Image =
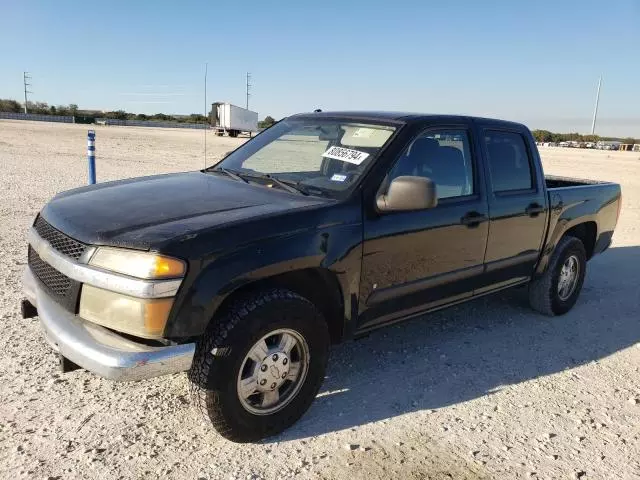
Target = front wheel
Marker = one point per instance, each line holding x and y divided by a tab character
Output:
557	290
259	367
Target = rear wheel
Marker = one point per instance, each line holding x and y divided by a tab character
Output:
259	367
557	290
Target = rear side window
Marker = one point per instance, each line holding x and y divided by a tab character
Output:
509	162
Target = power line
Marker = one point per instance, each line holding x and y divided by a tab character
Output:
248	89
25	77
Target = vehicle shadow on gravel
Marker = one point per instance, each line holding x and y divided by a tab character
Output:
472	350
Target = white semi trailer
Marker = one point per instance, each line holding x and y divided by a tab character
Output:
233	120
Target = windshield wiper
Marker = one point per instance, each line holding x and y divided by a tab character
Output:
231	173
292	187
288	186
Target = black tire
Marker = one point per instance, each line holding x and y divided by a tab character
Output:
213	377
543	291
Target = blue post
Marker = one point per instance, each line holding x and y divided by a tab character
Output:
91	155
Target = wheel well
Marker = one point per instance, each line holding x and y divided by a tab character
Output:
586	232
317	285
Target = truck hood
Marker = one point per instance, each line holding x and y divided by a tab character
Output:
145	212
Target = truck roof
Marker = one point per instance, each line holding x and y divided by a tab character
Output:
405	117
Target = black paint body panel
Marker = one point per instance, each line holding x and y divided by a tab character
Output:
386	266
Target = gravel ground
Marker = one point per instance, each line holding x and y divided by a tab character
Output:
484	390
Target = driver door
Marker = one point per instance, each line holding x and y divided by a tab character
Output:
418	260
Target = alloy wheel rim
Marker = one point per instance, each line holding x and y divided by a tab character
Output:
568	278
273	371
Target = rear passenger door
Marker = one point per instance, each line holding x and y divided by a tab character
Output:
517	208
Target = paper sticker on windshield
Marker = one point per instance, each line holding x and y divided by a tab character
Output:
346	155
337	177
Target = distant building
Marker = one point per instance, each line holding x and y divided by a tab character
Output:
636	147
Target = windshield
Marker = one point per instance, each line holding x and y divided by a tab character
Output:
318	156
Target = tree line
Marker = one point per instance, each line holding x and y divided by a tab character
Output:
122	115
43	108
547	136
267	122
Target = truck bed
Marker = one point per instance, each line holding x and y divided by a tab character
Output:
562	182
575	201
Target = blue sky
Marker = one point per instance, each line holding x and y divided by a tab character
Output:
537	61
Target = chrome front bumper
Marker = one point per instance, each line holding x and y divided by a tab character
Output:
98	349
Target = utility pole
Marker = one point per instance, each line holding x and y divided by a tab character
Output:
206	67
25	77
595	111
248	89
206	115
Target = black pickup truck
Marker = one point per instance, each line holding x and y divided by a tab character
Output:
321	228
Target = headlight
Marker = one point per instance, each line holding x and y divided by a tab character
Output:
136	316
144	265
142	317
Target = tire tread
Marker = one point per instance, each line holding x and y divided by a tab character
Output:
541	291
207	401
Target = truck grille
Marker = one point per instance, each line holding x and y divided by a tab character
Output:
62	288
55	281
58	240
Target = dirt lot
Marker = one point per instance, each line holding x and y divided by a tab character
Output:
485	390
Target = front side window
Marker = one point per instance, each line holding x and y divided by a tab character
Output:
509	163
444	156
317	156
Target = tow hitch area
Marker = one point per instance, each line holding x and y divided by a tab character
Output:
27	310
67	365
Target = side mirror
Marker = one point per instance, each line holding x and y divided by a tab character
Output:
408	193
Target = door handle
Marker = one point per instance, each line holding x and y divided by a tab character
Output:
534	209
473	219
